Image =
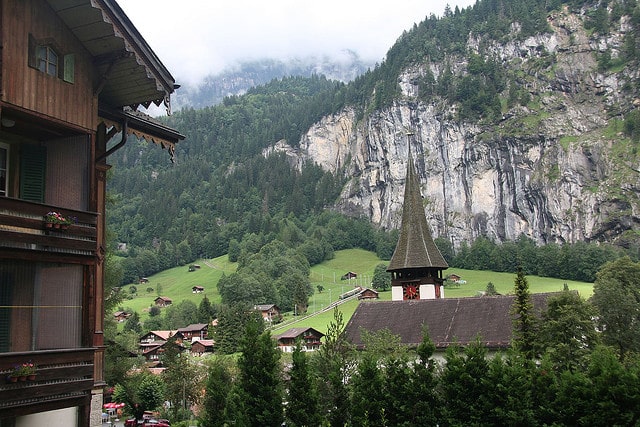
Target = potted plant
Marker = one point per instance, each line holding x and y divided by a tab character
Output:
57	220
23	372
53	219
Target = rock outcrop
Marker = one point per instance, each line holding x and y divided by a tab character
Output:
556	169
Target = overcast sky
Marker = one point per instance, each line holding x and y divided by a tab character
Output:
194	38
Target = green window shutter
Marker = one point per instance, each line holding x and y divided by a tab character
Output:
33	162
69	68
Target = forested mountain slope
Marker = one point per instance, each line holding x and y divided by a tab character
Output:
525	121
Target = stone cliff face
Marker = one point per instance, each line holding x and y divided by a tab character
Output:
557	170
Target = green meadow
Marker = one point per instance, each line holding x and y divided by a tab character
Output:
177	284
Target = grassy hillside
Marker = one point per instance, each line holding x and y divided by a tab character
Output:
177	283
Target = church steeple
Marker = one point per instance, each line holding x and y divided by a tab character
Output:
416	264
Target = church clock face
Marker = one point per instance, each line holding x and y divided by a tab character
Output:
410	291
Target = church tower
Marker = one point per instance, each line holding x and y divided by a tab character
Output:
417	264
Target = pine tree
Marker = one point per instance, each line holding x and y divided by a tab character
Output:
302	407
524	321
259	384
218	387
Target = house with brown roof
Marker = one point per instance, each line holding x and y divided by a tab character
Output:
310	339
417	264
200	347
270	312
72	76
195	331
162	301
121	316
448	320
368	293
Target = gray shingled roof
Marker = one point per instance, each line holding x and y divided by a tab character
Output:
449	320
415	247
296	332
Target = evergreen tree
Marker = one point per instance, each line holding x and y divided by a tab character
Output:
462	385
524	320
218	387
259	383
133	323
302	407
367	393
206	311
181	379
425	403
568	331
332	363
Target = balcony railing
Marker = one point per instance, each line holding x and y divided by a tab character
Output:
23	226
64	378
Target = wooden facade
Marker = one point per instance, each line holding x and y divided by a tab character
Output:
72	74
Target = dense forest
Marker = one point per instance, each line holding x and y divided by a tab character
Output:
224	186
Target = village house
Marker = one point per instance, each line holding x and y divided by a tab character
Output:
72	75
197	289
151	344
309	339
270	312
368	293
121	316
349	275
199	347
195	331
162	301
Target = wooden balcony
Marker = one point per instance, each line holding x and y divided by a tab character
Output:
23	228
64	378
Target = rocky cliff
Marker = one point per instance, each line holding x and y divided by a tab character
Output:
557	168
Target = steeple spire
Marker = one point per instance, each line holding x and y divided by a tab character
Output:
416	256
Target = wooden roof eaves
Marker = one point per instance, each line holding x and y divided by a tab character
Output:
132	35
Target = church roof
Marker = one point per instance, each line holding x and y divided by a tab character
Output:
448	320
415	247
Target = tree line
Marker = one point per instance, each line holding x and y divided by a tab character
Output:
576	363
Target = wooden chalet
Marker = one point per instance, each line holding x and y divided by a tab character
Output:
200	347
121	316
368	293
349	275
163	301
72	74
270	312
194	331
310	339
197	289
417	264
448	320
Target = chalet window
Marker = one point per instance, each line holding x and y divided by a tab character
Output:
46	57
33	162
40	306
4	169
47	60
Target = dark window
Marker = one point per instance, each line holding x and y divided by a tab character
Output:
45	56
47	60
40	306
33	162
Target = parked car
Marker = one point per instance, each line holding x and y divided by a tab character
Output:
147	422
152	422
